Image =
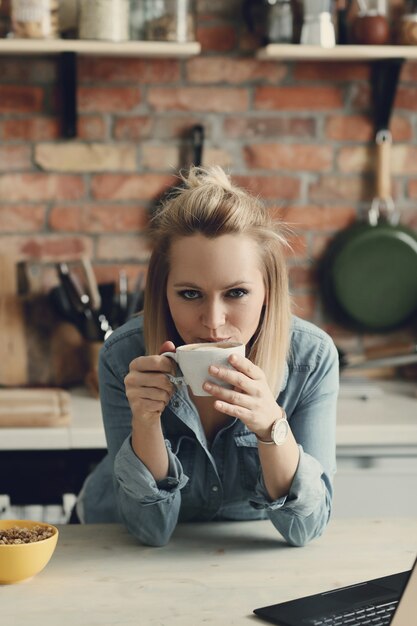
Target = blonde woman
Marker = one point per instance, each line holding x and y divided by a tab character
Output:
263	449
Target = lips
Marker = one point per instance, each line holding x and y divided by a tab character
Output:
214	339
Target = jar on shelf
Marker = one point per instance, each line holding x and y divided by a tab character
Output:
163	20
408	24
34	19
107	20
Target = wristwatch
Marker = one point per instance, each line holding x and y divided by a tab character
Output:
279	431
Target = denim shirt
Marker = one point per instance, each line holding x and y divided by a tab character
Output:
221	481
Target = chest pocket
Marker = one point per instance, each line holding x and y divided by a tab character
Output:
248	459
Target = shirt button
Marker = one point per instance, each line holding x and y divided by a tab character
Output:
214	488
176	404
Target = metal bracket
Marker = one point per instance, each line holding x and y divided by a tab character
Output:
385	75
68	93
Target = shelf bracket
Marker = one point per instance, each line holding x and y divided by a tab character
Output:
385	75
68	93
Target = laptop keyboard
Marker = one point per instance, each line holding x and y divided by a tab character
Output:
374	615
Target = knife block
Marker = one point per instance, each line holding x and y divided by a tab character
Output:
37	348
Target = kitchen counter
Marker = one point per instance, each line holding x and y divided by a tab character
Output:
373	414
214	573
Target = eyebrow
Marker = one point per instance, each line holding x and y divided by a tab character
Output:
236	283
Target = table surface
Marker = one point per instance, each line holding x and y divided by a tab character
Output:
214	573
380	413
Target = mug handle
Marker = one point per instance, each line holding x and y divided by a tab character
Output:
178	379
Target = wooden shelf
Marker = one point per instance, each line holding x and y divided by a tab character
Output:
155	49
289	52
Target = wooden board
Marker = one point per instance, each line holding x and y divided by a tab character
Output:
32	408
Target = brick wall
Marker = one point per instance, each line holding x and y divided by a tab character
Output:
298	134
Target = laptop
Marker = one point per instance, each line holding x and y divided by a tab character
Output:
388	600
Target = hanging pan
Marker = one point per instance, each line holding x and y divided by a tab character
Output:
368	274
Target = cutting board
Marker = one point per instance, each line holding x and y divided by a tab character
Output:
32	408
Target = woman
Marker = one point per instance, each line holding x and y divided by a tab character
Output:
217	273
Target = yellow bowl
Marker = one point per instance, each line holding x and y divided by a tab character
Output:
20	561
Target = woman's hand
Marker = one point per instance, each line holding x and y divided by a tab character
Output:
251	400
148	389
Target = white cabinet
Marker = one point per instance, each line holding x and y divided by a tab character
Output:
376	451
378	486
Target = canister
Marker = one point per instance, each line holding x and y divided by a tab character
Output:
107	20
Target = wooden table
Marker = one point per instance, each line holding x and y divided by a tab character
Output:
214	573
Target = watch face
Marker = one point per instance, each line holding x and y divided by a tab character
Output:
280	432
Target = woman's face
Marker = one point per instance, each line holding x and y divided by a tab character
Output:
215	288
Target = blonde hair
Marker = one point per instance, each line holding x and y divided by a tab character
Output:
209	204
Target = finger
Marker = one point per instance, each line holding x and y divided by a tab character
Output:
233	378
233	410
230	396
149	380
244	365
152	364
167	346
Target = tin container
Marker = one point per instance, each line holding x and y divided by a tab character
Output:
107	20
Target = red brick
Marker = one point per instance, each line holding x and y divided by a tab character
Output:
107	99
133	128
130	187
233	70
404	159
409	72
219	38
362	128
214	99
302	276
297	243
123	70
46	247
267	187
95	218
91	128
332	72
15	158
18	99
35	187
406	98
304	305
21	217
123	247
156	127
289	156
296	98
356	159
239	127
30	129
332	188
14	69
318	217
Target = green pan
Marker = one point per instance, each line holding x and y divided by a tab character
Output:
368	274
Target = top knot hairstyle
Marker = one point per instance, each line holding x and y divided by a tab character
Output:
208	203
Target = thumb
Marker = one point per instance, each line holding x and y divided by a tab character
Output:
167	346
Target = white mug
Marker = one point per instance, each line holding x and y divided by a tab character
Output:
194	359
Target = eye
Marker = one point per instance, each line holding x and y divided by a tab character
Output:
237	293
189	294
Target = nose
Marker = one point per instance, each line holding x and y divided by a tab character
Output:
213	314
